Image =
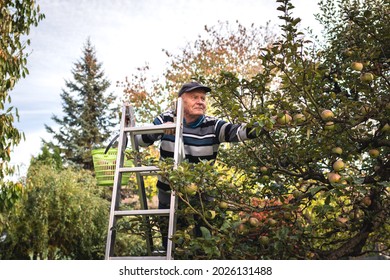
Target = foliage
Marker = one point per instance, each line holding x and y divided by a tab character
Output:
16	18
48	157
89	115
318	181
222	47
60	216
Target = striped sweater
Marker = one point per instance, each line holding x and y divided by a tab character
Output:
201	138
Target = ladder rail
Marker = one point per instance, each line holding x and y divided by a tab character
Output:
178	156
115	199
140	183
128	127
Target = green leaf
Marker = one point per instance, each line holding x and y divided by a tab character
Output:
205	233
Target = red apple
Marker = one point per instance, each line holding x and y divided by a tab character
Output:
333	177
367	201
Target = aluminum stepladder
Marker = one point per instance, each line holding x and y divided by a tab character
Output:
127	126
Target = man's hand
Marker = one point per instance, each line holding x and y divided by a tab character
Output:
170	131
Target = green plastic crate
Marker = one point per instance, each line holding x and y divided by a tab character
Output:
104	165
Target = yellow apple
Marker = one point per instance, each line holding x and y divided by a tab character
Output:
254	222
357	66
338	165
299	118
190	189
327	115
366	77
337	150
374	153
386	128
329	126
272	222
284	119
263	169
223	205
264	240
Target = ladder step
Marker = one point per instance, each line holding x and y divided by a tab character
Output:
139	258
145	169
150	129
160	212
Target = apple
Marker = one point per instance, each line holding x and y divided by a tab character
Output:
223	205
190	189
327	115
329	126
339	223
357	66
355	214
366	77
284	119
386	128
333	177
242	229
299	118
348	52
265	178
337	150
264	240
254	222
272	222
366	201
374	153
338	165
263	169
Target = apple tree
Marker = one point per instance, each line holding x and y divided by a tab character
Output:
325	159
315	184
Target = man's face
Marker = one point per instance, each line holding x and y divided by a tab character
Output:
194	104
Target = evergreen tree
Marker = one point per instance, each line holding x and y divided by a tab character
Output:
88	114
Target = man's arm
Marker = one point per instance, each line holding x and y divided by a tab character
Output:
145	140
228	132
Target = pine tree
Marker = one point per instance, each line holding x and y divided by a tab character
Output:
88	114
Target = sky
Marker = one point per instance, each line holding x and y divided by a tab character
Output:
126	34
